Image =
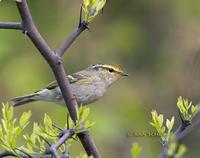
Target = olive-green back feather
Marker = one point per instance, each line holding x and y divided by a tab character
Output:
75	78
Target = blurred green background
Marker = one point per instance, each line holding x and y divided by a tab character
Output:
156	42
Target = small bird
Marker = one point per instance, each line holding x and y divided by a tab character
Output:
87	86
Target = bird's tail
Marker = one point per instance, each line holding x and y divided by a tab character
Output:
23	100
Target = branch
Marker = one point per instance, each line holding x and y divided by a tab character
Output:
194	125
11	25
182	132
57	67
71	39
8	153
66	135
89	144
81	27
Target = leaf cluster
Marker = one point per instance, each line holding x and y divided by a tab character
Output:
175	149
135	150
42	136
187	112
187	109
11	128
92	8
164	130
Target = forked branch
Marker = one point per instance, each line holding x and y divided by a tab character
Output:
54	60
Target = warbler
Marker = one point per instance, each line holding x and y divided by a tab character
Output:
87	86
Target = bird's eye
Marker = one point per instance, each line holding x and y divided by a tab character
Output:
110	70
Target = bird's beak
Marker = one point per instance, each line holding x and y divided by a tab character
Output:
123	73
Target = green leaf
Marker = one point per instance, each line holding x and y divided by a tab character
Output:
24	119
170	124
181	151
180	105
135	150
7	112
4	125
157	123
89	124
82	155
193	109
36	127
82	114
171	148
92	8
47	122
187	110
1	131
160	120
175	149
16	132
9	131
154	115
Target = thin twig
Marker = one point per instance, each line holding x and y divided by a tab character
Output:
71	39
55	126
68	134
8	153
81	27
11	25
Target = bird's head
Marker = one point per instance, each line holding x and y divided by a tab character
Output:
107	72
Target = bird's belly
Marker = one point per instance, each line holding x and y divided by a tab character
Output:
84	94
87	93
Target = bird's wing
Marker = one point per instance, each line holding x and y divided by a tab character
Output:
75	78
